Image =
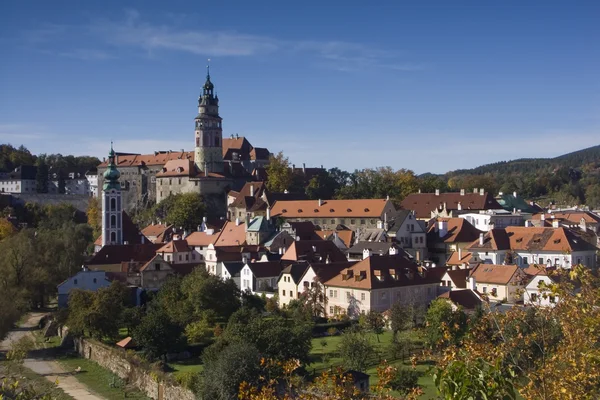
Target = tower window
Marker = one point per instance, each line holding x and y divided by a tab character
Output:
113	221
113	204
113	237
216	141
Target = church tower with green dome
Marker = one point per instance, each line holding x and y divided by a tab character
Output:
208	153
112	205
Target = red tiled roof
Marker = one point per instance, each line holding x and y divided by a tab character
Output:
175	168
459	277
314	251
573	217
454	260
116	254
459	231
424	203
531	239
159	158
395	271
368	208
493	273
326	271
201	239
345	236
175	246
232	235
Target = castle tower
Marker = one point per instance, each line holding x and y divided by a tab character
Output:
208	154
112	215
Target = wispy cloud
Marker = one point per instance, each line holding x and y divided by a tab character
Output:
133	32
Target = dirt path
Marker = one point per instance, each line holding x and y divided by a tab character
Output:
48	368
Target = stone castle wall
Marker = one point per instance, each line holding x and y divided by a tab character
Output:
117	361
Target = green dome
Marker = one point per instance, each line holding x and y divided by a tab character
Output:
112	174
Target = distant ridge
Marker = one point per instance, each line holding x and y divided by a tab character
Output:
575	159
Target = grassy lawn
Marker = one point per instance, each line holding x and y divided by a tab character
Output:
38	383
182	367
100	380
324	357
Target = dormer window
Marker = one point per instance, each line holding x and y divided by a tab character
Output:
366	210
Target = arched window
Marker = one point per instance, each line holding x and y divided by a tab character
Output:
113	237
216	141
113	204
113	221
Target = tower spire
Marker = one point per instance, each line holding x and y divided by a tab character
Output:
208	70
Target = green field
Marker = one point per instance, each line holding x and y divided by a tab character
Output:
323	358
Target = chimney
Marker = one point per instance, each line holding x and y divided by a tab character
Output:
268	214
471	283
459	206
281	251
419	190
443	228
462	192
237	136
528	224
459	254
393	250
199	228
481	239
237	222
481	191
543	217
252	190
205	169
245	259
515	195
303	168
437	192
320	202
367	253
247	220
293	167
555	223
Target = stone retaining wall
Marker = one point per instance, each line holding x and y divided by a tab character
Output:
116	361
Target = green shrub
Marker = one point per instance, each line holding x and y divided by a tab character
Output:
405	380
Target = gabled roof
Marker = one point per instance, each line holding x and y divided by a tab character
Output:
232	235
326	271
233	267
455	260
116	254
178	168
201	238
257	224
296	271
359	208
246	200
314	251
496	274
158	158
345	235
459	231
175	246
372	235
259	153
466	298
522	238
158	231
424	203
305	230
396	219
573	217
377	272
266	269
459	277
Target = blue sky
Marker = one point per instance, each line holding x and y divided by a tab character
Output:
426	85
